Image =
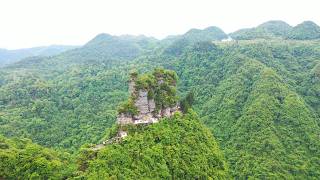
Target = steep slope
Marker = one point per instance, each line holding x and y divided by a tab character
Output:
265	129
175	148
270	127
73	108
294	61
312	88
307	30
68	99
259	97
21	159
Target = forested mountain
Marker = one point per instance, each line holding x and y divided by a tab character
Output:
259	97
12	56
22	159
253	107
276	28
267	30
307	30
175	148
179	43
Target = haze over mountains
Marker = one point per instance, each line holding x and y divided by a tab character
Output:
12	56
306	30
256	110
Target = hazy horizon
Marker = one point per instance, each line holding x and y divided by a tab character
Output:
34	23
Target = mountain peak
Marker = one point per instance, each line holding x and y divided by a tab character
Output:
308	23
99	39
306	30
267	30
208	34
274	23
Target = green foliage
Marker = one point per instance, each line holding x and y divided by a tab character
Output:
175	148
66	111
122	47
252	100
179	44
145	82
165	90
208	34
186	103
305	31
128	107
21	159
267	30
277	28
251	33
133	74
259	97
161	86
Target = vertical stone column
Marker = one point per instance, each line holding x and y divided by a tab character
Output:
132	85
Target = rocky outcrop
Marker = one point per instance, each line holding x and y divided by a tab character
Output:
142	102
124	119
131	86
152	105
141	108
146	108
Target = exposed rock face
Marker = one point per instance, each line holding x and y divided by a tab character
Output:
152	105
132	87
122	134
166	112
148	113
142	102
146	107
124	119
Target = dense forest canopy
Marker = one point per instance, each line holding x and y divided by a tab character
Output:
257	94
175	148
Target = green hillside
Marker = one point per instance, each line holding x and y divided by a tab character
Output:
179	43
21	159
307	30
175	148
267	30
259	98
277	28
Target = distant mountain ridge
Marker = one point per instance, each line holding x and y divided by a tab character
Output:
12	56
258	96
307	30
129	46
179	43
124	46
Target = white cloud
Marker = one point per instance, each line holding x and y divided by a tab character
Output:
44	22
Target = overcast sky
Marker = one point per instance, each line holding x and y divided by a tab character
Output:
28	23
